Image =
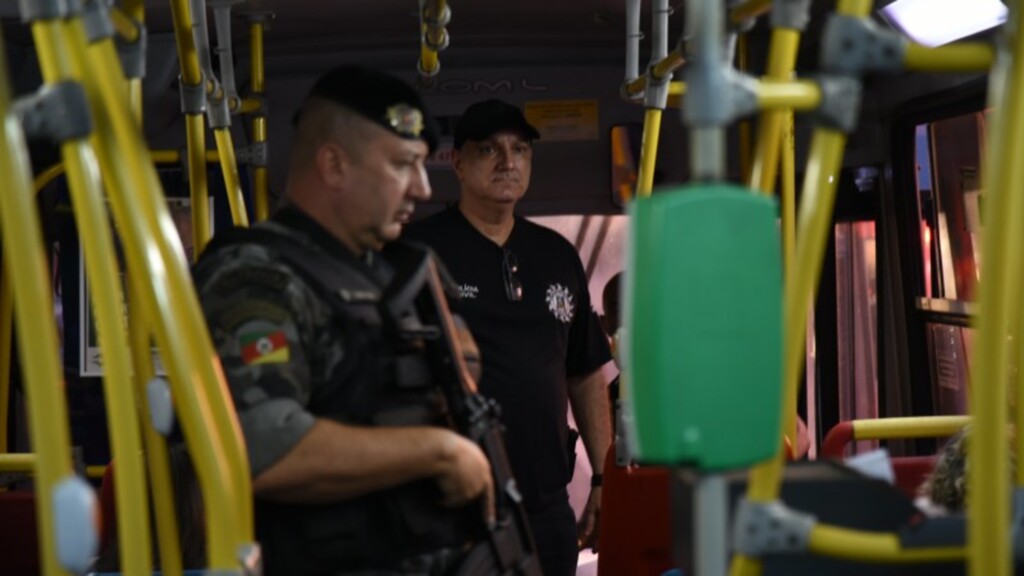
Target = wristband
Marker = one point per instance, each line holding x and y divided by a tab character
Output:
595	480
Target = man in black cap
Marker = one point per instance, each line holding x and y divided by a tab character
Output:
351	473
526	300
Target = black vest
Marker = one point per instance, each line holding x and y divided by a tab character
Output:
383	381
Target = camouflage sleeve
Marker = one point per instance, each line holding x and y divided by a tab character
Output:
262	321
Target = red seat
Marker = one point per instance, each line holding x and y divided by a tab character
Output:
19	535
910	471
635	536
108	508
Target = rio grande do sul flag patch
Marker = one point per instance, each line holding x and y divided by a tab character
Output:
264	347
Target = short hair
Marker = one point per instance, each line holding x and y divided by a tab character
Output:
320	121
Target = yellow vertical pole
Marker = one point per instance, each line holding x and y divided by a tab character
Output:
7	335
428	55
814	220
106	298
988	537
23	251
788	192
136	10
199	191
195	129
781	61
815	217
649	151
261	192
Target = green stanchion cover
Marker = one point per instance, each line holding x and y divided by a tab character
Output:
703	327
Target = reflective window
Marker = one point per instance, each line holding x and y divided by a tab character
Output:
948	155
856	322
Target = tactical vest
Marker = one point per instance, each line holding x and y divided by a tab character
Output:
383	381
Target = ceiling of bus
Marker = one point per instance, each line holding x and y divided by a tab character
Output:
522	31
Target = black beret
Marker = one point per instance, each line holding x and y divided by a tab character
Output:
383	99
483	119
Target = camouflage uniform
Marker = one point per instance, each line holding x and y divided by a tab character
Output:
248	293
283	348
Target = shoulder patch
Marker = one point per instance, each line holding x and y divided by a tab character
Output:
248	310
249	276
264	347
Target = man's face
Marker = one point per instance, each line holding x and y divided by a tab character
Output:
496	169
385	182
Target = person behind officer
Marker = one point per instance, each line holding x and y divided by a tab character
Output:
335	492
525	297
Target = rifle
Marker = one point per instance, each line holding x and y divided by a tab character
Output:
416	300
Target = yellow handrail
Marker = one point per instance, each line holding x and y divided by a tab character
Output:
910	427
781	62
47	176
662	68
260	189
199	191
988	474
107	301
815	217
961	57
788	203
181	14
649	152
211	427
23	251
195	129
157	457
14	462
232	185
6	345
799	95
860	546
432	36
749	9
124	25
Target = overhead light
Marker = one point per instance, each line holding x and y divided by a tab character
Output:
938	22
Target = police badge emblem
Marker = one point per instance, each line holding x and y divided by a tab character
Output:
560	302
405	120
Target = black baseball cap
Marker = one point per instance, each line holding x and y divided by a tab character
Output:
483	119
381	98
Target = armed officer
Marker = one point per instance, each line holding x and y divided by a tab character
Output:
353	470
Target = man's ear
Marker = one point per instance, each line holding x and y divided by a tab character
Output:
457	162
332	162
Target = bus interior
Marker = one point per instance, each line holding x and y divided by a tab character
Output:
885	161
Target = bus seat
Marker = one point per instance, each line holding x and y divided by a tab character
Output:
635	528
909	471
19	539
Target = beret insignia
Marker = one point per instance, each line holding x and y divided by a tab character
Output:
405	120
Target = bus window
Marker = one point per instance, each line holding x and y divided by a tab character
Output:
948	155
856	322
949	197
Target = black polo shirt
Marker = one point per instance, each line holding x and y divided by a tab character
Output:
528	347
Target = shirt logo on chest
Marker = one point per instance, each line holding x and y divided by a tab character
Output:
560	302
468	291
